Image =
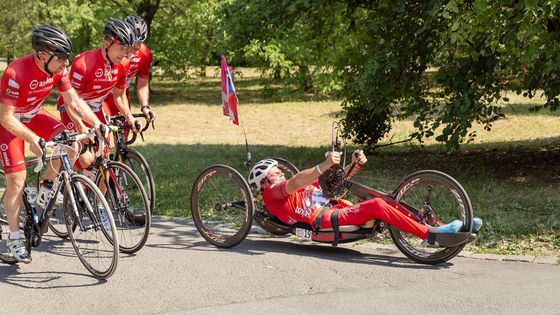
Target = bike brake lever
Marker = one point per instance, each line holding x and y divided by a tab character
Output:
42	158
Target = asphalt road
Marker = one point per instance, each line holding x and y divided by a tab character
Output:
178	272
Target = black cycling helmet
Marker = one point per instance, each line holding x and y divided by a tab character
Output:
51	40
139	26
119	32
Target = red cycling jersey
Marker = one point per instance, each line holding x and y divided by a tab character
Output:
25	86
93	79
140	64
304	204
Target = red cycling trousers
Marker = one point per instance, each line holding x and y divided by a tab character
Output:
374	209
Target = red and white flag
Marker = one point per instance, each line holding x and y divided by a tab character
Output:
229	97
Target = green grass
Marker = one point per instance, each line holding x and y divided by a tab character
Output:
511	174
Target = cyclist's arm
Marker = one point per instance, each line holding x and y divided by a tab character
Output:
122	104
359	159
310	175
79	110
143	87
14	126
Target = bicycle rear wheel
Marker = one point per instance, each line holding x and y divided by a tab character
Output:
222	206
129	204
56	222
95	236
289	170
436	199
140	166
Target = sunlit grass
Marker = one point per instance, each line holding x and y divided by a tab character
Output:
511	173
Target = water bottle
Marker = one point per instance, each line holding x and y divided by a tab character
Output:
104	219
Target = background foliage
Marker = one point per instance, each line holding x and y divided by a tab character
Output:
446	64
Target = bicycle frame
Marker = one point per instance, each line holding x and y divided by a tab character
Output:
35	226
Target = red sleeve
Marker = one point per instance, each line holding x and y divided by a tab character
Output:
78	73
144	71
9	88
63	83
277	191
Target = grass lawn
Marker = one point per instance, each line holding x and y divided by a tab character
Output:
511	174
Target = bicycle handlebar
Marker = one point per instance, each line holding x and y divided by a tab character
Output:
66	138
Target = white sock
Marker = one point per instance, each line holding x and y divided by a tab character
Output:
14	235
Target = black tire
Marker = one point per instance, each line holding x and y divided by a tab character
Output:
446	200
5	254
129	205
56	222
222	206
140	166
289	170
95	240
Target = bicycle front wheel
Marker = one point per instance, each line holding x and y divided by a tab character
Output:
222	206
435	198
95	235
140	166
129	204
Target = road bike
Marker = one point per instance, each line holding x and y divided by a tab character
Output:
126	197
92	230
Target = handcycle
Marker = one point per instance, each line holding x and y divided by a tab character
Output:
92	230
126	197
224	207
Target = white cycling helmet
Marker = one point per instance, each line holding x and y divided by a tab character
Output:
259	172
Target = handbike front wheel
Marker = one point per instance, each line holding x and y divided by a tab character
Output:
222	206
91	227
435	198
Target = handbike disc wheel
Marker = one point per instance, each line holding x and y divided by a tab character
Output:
95	236
437	199
222	206
129	205
289	170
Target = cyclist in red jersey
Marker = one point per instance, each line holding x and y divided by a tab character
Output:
299	199
95	74
25	84
140	59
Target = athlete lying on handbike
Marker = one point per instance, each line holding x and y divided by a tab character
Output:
300	199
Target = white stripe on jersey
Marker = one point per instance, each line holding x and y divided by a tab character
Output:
77	76
13	84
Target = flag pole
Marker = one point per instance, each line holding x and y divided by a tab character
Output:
229	80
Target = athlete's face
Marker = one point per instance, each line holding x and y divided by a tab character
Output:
275	176
116	52
135	48
56	65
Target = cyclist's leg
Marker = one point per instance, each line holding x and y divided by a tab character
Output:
13	162
46	126
83	160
